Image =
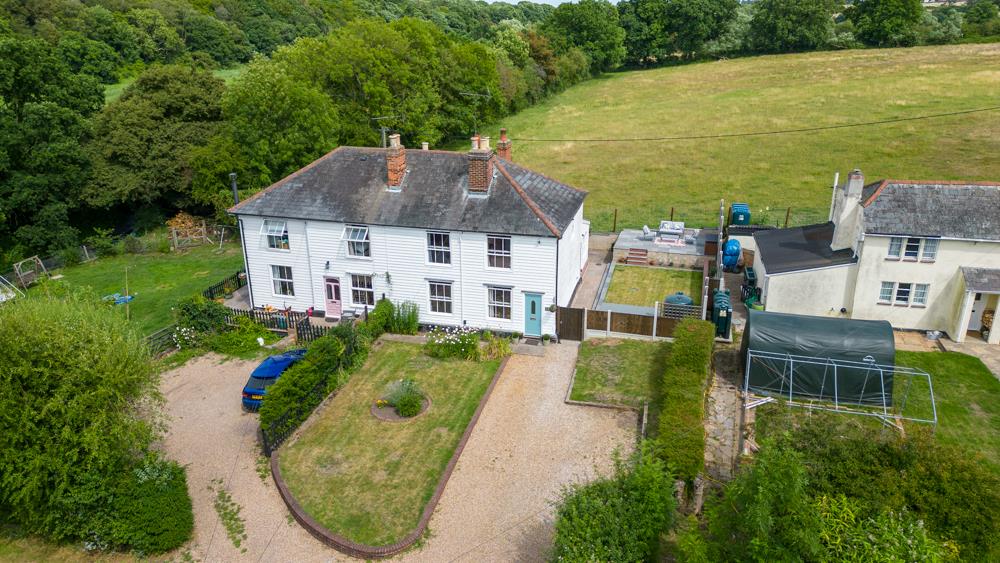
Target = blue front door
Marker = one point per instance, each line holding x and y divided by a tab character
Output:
532	314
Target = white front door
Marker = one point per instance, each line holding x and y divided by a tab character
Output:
978	304
333	304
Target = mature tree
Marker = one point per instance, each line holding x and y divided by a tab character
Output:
76	384
593	26
693	23
42	125
89	57
156	39
982	11
100	24
645	39
886	23
781	26
143	140
224	43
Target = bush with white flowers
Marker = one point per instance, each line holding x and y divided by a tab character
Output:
453	342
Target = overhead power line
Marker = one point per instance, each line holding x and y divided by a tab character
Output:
759	133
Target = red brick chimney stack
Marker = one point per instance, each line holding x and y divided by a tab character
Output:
480	165
504	145
395	160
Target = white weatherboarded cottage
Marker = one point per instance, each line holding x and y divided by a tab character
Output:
471	238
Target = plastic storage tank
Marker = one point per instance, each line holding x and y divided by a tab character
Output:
739	214
678	299
722	312
731	255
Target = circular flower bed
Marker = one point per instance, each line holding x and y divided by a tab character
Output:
403	399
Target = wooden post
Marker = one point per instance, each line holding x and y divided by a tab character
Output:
671	213
174	233
788	214
614	222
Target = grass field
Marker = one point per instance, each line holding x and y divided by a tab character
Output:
157	280
642	286
14	547
643	180
114	91
619	372
367	479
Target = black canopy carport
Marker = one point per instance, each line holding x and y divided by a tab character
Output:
845	361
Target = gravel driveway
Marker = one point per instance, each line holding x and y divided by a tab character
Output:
496	507
527	445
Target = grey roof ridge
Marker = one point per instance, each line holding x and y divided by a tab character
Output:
883	183
498	162
234	209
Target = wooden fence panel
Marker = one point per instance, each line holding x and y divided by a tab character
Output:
597	320
632	324
570	323
665	327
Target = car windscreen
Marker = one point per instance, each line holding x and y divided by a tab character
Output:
260	382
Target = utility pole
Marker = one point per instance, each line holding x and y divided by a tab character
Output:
488	95
383	128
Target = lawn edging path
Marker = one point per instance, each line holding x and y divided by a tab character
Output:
364	551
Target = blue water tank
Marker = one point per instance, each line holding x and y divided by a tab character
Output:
739	214
678	299
731	255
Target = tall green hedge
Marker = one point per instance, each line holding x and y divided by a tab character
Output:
681	438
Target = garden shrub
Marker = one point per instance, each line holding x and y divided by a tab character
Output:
405	319
151	511
405	395
379	318
77	387
241	339
203	315
133	244
453	342
496	348
70	256
326	361
103	242
681	436
616	519
955	494
357	343
409	405
163	246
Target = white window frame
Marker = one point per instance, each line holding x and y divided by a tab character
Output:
896	248
494	305
929	251
359	242
920	294
357	290
436	250
891	287
906	248
435	298
494	255
274	234
277	279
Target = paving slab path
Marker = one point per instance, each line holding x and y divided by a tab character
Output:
496	507
722	418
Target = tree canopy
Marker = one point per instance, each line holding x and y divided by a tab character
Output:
780	26
886	23
591	25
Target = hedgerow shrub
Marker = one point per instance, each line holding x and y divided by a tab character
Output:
77	409
132	244
616	519
151	511
380	318
70	256
955	494
680	438
325	361
203	315
241	339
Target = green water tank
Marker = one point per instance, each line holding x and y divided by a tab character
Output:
722	312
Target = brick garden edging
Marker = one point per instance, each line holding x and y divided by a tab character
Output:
363	551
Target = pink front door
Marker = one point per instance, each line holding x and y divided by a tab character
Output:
333	306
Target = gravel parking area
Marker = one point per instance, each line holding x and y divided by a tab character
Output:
527	445
496	507
215	439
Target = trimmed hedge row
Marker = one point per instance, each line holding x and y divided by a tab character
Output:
681	439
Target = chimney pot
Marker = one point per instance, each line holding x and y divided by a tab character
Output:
504	145
425	146
395	161
484	143
475	142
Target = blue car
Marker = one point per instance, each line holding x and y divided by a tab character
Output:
265	375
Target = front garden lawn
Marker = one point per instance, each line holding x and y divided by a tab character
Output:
367	479
643	286
157	280
619	371
967	397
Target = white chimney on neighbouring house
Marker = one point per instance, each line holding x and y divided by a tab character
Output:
847	213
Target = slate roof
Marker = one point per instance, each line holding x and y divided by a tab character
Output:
349	185
799	248
981	280
935	209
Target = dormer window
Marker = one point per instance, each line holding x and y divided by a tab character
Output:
358	243
275	234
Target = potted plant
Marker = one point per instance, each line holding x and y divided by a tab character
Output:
516	336
546	338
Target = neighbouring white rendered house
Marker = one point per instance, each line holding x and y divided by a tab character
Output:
921	255
471	238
